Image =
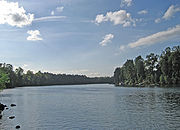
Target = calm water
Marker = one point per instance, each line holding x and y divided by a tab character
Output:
95	107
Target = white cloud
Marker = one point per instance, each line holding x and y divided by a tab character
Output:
117	17
60	9
34	35
100	18
52	12
158	20
106	39
126	3
50	18
159	37
143	12
170	12
12	14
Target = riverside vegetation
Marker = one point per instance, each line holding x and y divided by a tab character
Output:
10	78
155	70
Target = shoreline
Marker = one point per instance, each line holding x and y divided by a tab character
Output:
56	85
150	85
123	85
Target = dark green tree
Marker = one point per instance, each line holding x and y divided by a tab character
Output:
150	67
139	65
116	76
4	79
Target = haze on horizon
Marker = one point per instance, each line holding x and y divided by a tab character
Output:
85	37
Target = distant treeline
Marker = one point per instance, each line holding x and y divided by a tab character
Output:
154	70
10	78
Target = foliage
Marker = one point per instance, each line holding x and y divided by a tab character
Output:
11	78
163	69
4	79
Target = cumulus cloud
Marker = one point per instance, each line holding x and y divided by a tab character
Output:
143	12
106	39
159	37
100	18
12	14
60	9
50	18
170	12
126	3
117	17
34	35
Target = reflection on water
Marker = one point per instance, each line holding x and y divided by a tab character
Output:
91	107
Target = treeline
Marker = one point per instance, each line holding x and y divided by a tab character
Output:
10	78
154	70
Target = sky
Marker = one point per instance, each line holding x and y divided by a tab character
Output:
89	37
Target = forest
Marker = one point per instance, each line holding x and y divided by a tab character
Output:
10	78
155	70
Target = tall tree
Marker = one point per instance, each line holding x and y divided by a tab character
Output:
139	65
116	76
4	79
150	67
129	72
19	76
154	70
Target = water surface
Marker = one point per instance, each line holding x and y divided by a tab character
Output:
96	107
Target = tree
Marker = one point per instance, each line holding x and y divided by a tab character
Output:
150	67
129	72
116	76
176	65
19	76
139	65
154	70
4	79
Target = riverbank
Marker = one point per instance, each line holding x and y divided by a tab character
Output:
59	85
149	85
120	85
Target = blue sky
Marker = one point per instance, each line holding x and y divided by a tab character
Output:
89	37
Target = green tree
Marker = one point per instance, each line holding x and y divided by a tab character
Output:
116	76
139	65
154	70
151	63
176	65
19	76
129	72
4	79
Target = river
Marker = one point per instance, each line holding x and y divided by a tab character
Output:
94	107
